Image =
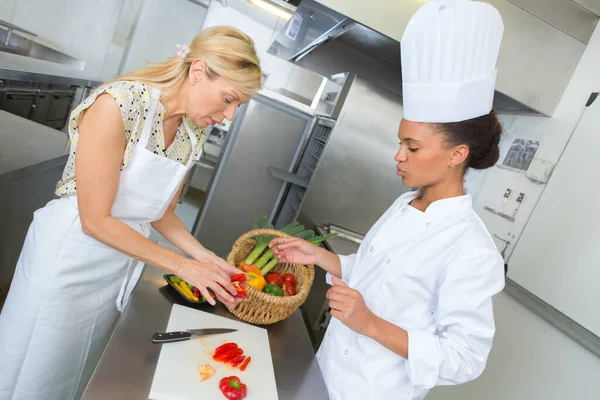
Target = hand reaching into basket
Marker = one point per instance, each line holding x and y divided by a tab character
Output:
295	251
211	271
299	251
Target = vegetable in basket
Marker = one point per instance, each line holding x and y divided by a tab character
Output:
239	283
262	242
262	257
273	290
256	281
312	239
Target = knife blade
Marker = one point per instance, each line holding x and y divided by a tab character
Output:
179	336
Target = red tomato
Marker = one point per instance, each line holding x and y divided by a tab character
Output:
273	278
288	290
289	278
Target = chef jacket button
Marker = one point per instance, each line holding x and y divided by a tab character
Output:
371	249
428	224
346	352
388	261
328	334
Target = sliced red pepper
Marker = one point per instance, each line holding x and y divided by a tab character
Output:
232	388
227	354
237	361
225	348
240	291
239	283
245	364
230	356
238	278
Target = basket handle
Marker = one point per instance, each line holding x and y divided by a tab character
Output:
259	232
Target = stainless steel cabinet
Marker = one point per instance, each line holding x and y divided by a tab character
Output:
43	103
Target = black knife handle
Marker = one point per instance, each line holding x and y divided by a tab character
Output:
170	337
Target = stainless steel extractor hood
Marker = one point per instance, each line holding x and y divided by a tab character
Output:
327	42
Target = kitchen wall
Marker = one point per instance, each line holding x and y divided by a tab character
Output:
553	134
161	26
282	75
6	9
531	359
124	31
81	29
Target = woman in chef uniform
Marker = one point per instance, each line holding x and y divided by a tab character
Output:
132	143
412	309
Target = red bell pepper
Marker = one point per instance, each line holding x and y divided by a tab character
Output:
232	388
239	283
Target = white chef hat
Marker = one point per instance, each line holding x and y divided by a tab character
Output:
449	52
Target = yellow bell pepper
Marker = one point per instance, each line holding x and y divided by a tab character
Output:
256	281
186	291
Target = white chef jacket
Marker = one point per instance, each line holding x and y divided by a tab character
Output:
431	273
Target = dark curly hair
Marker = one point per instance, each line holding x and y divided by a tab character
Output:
482	136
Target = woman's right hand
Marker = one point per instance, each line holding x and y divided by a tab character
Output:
295	251
204	275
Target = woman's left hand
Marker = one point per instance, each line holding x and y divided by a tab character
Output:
230	270
349	307
223	264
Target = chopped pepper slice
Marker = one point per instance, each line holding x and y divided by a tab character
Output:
238	278
239	283
227	357
224	348
237	361
245	364
232	388
205	371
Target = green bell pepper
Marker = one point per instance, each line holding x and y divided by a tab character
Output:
273	290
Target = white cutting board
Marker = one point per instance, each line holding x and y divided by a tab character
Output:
176	376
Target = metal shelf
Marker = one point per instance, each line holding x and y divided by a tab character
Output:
289	177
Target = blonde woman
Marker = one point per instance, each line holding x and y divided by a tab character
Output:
132	142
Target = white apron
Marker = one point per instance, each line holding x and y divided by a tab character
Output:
60	310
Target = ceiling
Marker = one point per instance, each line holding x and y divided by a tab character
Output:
255	13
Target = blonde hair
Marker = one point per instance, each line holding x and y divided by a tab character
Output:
226	51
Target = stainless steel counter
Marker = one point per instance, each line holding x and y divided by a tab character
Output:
32	157
14	66
24	143
126	369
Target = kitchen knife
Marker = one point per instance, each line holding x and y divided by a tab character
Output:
186	335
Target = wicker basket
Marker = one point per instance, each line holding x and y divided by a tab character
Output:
262	308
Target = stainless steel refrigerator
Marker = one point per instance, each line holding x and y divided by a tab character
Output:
256	171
